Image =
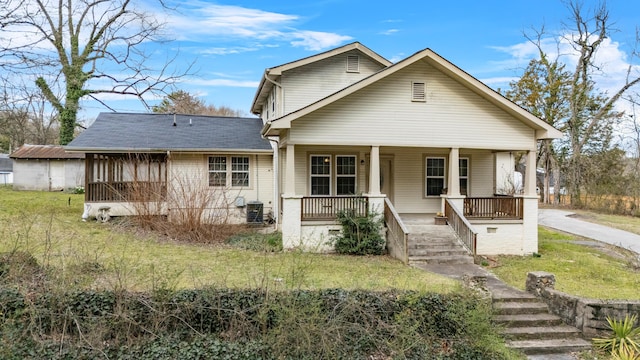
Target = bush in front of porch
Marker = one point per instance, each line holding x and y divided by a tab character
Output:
360	235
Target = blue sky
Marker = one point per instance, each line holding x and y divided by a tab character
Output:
233	42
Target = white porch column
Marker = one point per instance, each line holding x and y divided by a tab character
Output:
530	174
530	207
291	204
374	171
376	199
453	181
454	173
290	171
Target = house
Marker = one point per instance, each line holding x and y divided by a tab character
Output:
6	170
218	168
413	138
46	168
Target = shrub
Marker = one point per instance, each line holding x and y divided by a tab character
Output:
624	338
360	234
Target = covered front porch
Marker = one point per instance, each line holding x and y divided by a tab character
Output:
490	213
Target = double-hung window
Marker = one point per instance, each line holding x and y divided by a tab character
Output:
345	174
464	175
333	175
320	174
435	171
435	176
220	174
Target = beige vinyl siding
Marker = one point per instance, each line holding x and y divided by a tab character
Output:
383	114
481	179
191	171
307	84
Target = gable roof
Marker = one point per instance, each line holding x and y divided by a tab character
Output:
128	132
266	83
543	129
27	151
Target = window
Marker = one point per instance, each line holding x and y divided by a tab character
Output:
239	171
320	175
418	91
345	175
464	175
324	174
220	173
436	179
217	171
353	63
435	175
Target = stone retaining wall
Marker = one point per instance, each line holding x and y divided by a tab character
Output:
588	315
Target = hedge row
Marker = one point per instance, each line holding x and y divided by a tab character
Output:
246	324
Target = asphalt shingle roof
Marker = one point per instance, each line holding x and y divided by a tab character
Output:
156	132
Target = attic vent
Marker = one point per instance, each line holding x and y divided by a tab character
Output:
353	63
418	91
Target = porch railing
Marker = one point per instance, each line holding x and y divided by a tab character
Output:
501	207
461	226
397	233
327	207
125	191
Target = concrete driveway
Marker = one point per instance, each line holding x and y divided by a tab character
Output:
560	220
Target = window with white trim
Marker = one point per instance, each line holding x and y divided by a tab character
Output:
345	174
320	174
237	174
435	175
418	91
464	175
240	171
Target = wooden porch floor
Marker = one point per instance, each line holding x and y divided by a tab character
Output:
418	219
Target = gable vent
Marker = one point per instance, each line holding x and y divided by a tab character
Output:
418	91
353	63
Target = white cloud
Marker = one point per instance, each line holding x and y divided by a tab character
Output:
199	21
389	32
315	40
225	82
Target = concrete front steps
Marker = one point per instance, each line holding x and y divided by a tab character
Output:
530	328
435	244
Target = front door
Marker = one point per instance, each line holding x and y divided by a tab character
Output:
386	176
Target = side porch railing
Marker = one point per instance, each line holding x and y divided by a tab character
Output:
397	233
125	191
500	207
461	226
326	207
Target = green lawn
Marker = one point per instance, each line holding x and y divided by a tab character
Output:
580	270
107	256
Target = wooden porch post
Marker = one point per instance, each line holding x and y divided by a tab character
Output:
374	171
530	175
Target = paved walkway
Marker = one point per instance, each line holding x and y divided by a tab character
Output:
561	220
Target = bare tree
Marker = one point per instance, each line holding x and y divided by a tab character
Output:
182	102
25	118
80	48
588	114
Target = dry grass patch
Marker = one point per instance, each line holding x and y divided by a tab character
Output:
107	256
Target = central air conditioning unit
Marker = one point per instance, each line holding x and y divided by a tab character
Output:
255	211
